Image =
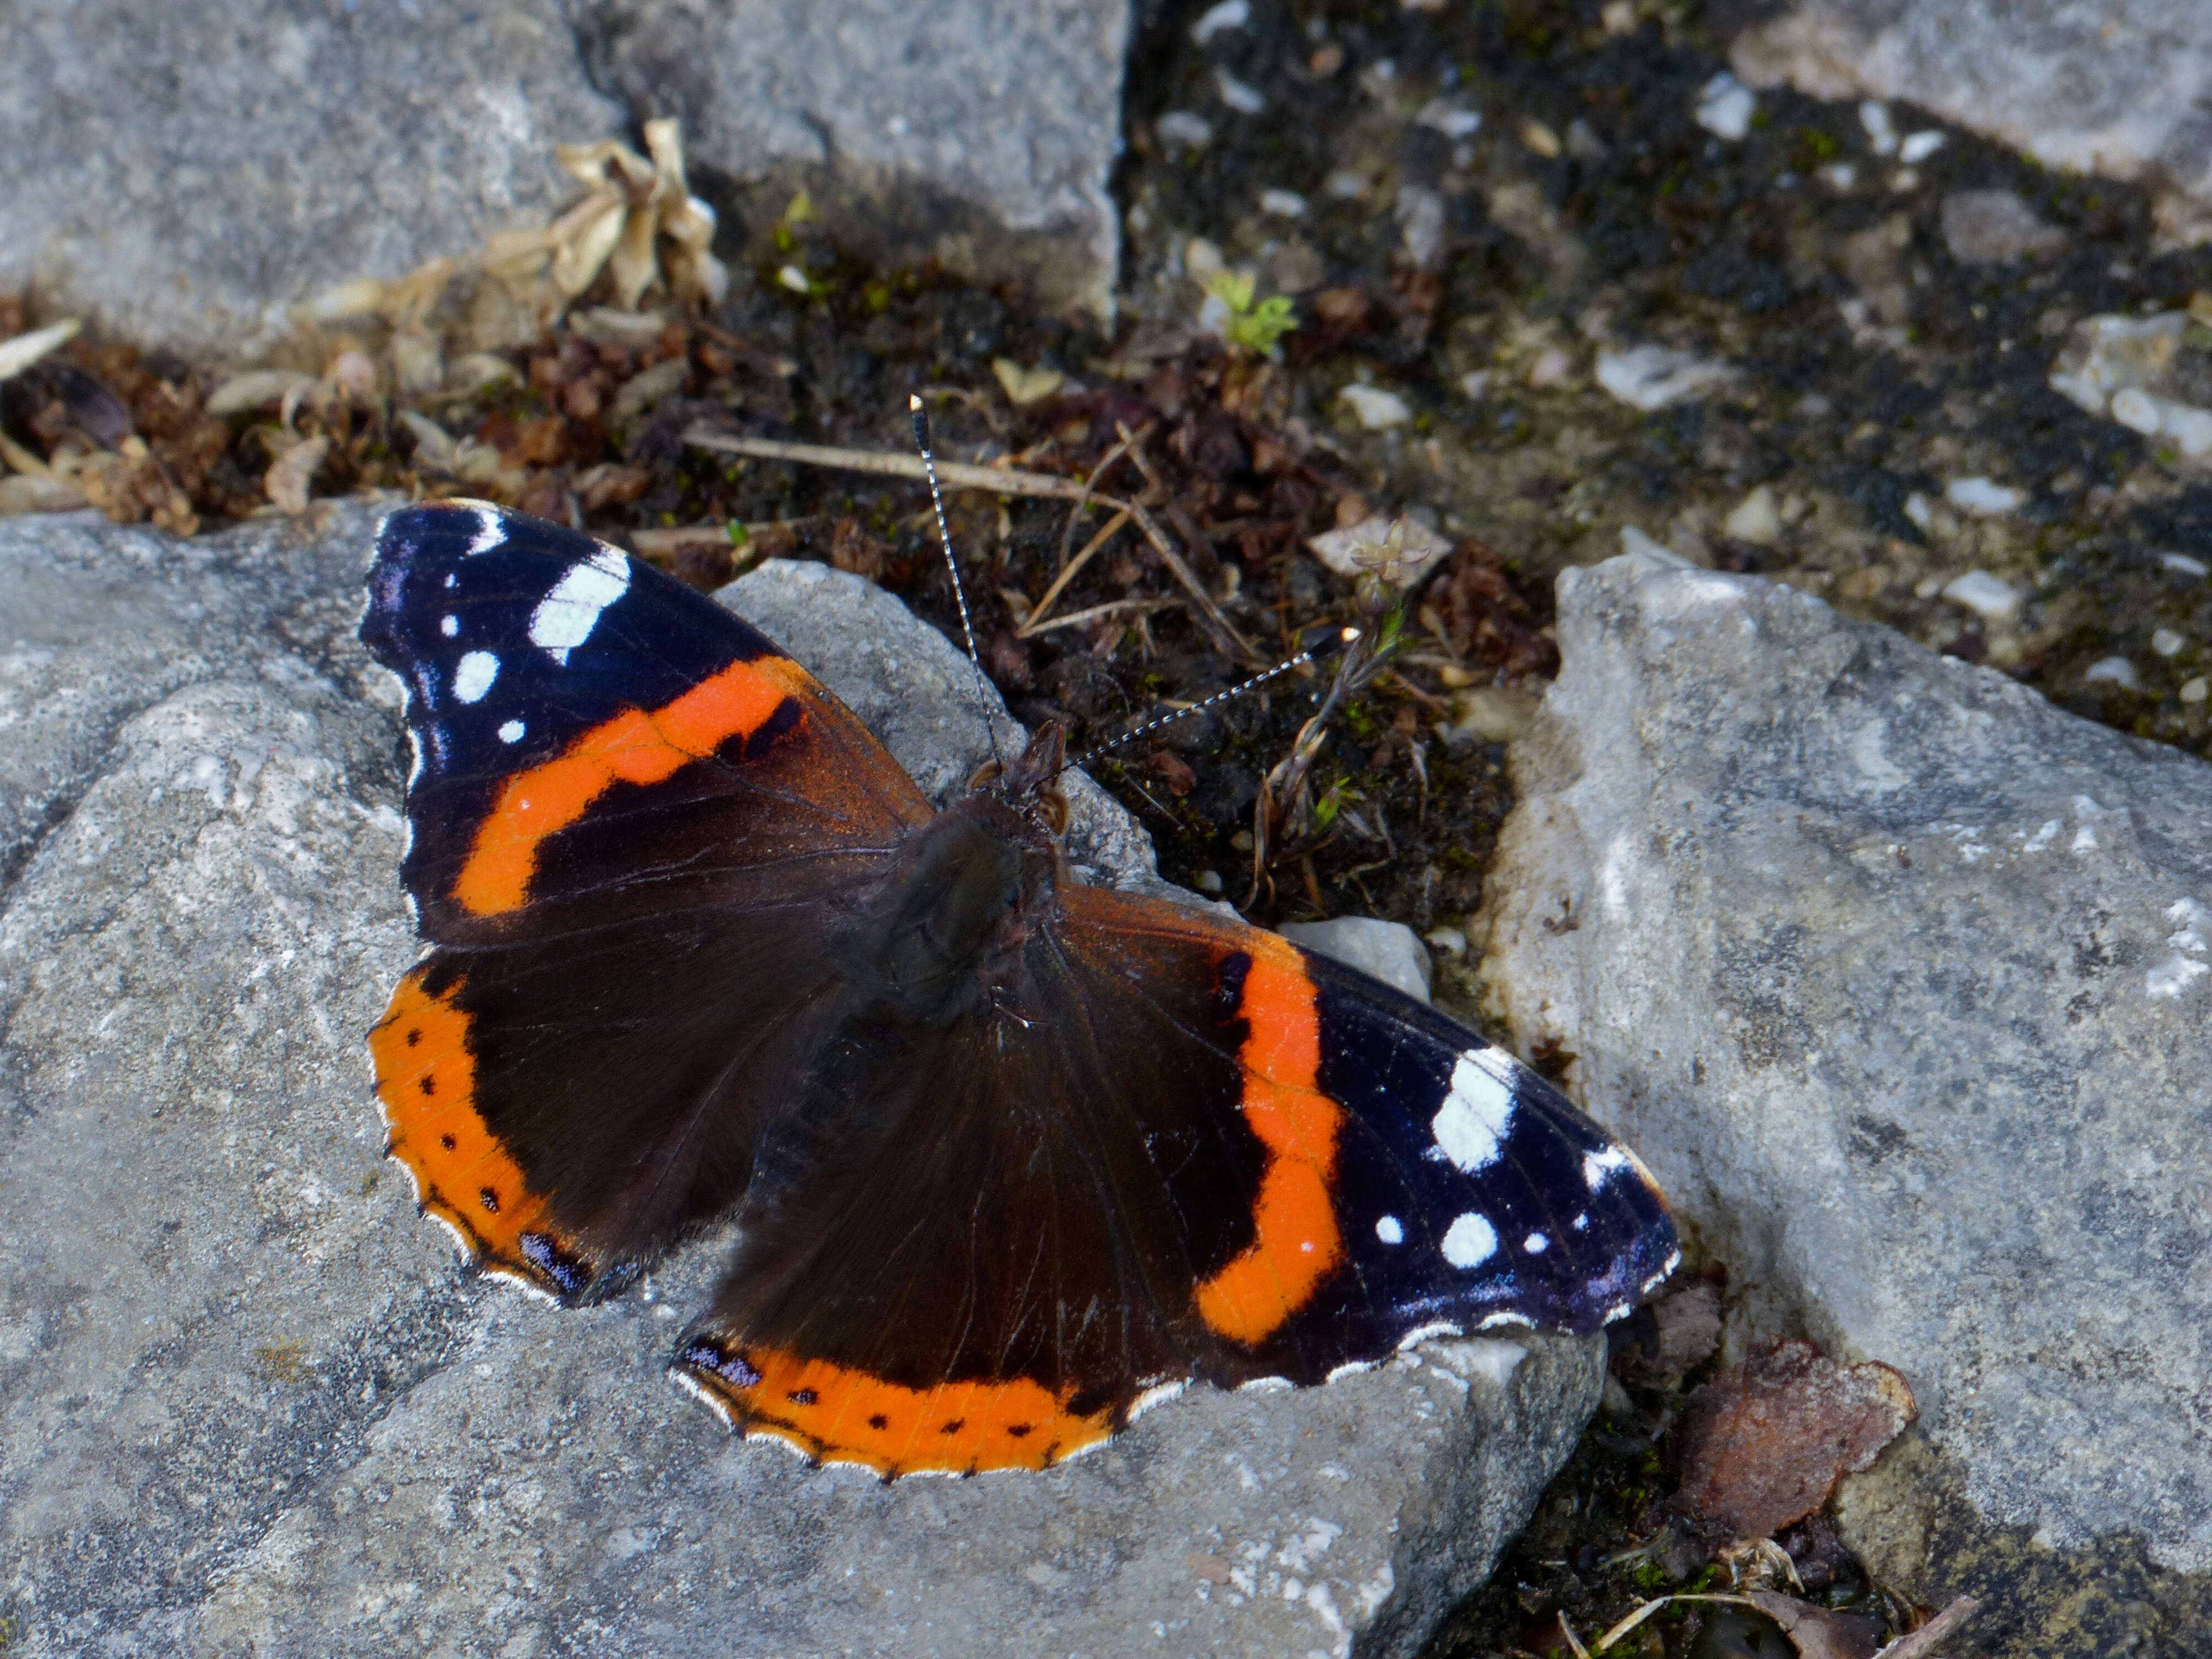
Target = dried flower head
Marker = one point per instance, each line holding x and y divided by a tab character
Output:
641	223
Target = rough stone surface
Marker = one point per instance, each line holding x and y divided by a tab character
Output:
981	132
1898	976
186	171
2118	90
249	1406
1389	951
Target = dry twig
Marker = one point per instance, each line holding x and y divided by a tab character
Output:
1000	482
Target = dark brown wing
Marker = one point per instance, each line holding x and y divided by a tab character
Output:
1153	1160
633	822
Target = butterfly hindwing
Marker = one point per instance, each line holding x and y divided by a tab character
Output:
1010	1235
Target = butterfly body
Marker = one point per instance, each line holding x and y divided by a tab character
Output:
1011	1155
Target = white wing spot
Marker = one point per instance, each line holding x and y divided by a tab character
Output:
564	618
1478	1112
491	532
511	733
473	677
1470	1241
449	626
1389	1231
1582	1222
1535	1244
1599	1167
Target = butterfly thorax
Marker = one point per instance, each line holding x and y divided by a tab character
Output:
949	921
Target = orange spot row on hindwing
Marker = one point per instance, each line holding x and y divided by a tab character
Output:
842	1415
426	1081
635	746
1296	1242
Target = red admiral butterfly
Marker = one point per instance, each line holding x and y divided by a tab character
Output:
1011	1156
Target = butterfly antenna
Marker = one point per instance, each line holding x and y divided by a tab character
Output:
1329	642
952	565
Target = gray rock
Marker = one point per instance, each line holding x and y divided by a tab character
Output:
247	1403
2116	90
1899	978
1389	951
980	131
1991	227
185	172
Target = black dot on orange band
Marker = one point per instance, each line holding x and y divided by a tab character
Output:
414	1036
428	1085
879	1421
954	1426
447	1142
1017	1429
489	1199
801	1396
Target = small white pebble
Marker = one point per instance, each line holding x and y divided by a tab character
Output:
1208	882
1181	126
1649	377
2136	409
1725	106
1220	19
1376	410
2182	565
1839	175
1880	134
1450	120
1346	185
1918	510
1919	146
2112	670
2166	643
1283	203
1986	596
1449	941
2195	690
2189	427
1245	99
1982	496
793	279
1756	519
1552	367
1475	383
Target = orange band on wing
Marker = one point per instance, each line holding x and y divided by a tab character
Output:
426	1081
840	1415
1297	1242
637	746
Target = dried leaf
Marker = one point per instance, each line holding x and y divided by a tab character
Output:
579	258
433	445
260	388
1025	386
286	482
1764	1444
656	385
1816	1633
19	353
32	493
